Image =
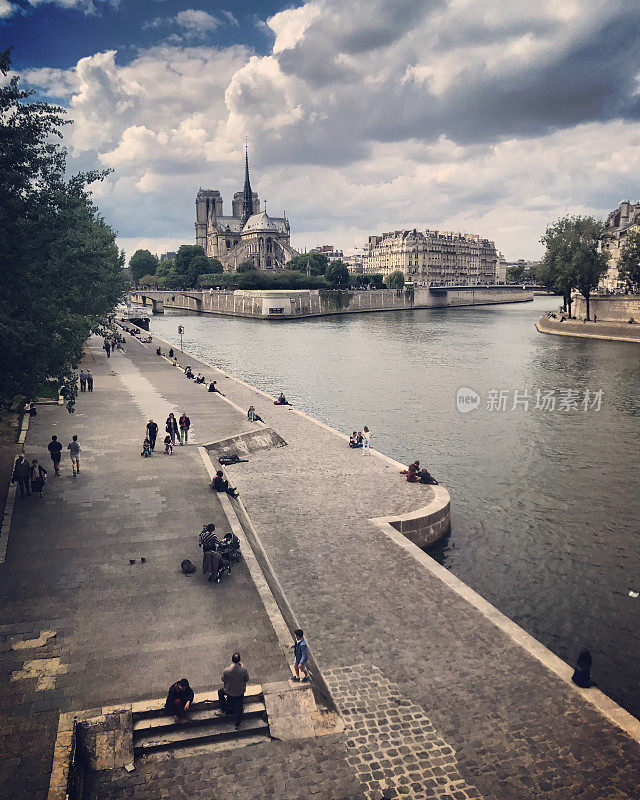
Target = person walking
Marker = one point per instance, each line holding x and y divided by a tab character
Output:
234	685
366	441
301	653
74	450
89	380
172	428
55	451
107	347
22	475
83	381
184	424
38	478
152	432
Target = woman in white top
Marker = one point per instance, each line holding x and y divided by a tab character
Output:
366	440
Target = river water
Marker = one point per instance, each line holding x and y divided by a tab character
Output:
545	502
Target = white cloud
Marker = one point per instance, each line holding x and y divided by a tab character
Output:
475	115
7	9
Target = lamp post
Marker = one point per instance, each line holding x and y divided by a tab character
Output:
181	331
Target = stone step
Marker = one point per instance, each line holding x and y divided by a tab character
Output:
223	729
146	709
199	716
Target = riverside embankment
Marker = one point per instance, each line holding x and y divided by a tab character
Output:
582	329
294	304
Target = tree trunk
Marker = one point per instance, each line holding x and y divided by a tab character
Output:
586	297
569	306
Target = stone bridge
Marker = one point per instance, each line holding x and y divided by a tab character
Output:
159	297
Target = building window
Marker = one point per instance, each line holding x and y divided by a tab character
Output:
276	310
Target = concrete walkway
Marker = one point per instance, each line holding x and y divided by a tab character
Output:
438	700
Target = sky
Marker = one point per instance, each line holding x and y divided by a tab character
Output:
493	117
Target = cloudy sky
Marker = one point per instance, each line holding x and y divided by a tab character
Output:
485	116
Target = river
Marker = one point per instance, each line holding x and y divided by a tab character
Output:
545	502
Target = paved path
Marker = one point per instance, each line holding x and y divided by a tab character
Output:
479	716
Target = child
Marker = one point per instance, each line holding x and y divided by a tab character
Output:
146	448
168	447
301	655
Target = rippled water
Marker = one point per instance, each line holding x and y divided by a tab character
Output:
546	509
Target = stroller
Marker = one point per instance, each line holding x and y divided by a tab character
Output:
229	549
215	565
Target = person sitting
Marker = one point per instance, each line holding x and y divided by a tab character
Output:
174	362
200	378
171	352
212	388
219	484
281	401
234	458
353	440
189	373
582	672
158	351
412	474
252	416
359	439
146	448
168	447
179	699
427	477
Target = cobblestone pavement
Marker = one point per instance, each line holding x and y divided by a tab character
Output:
314	769
518	730
392	744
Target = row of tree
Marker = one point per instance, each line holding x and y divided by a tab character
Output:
61	268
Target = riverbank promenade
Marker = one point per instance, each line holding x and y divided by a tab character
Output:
440	696
581	329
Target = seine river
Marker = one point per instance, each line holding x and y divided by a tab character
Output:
545	501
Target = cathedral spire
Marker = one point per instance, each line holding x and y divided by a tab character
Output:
247	199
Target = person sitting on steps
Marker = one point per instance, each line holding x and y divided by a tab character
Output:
179	699
219	484
252	416
281	401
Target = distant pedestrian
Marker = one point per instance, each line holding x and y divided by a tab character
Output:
74	451
172	427
22	475
366	441
171	352
252	415
234	686
152	432
582	672
89	380
301	654
179	699
107	347
184	423
38	478
212	388
55	451
83	381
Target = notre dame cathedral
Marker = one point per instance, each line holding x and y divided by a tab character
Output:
247	235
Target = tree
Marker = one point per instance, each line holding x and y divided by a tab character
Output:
61	269
199	265
215	266
246	266
395	280
573	258
629	263
515	273
142	262
314	263
337	273
147	281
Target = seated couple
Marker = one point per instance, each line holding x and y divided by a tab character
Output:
281	401
355	440
252	415
416	475
220	484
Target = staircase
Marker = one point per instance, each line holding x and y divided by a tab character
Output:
154	730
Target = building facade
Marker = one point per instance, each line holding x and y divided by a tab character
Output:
433	258
247	235
619	224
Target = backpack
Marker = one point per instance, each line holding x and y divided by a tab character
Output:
187	567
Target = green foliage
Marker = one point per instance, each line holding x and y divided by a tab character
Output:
395	280
374	280
315	262
573	259
208	280
147	281
337	273
246	266
336	298
142	262
259	279
519	273
629	264
215	266
61	269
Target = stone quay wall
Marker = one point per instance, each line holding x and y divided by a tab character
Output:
609	331
291	304
609	308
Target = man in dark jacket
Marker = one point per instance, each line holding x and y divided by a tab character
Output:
22	474
185	423
55	450
234	685
179	699
152	432
220	484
